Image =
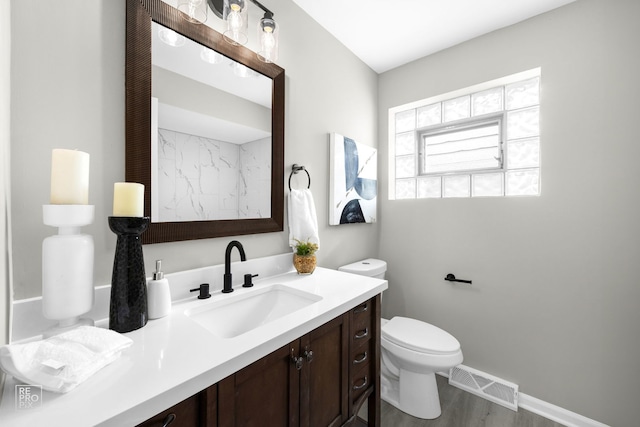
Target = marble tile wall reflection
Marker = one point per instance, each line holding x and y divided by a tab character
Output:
254	185
205	179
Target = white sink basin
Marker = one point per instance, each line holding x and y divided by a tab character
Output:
250	309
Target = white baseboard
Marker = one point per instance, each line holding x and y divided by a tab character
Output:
550	411
556	413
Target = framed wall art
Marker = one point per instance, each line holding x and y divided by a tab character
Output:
353	185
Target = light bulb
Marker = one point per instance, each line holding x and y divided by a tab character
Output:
235	21
235	13
235	24
268	43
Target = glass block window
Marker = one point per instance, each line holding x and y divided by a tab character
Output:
485	143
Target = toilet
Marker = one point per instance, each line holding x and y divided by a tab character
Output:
412	352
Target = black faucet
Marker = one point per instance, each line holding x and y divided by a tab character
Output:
227	264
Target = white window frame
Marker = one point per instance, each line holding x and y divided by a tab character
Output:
461	125
469	121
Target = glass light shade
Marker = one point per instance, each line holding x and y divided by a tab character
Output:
268	31
170	37
235	13
210	56
194	11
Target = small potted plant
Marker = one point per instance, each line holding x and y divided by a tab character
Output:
304	257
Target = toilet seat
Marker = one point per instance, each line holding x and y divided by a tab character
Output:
419	336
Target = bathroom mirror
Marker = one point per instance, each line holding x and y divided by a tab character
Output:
172	113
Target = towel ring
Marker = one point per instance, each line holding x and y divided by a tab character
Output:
294	170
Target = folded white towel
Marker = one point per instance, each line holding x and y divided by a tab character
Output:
303	221
63	361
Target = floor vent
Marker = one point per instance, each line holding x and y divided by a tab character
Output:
484	385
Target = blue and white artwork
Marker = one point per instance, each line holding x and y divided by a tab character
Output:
353	181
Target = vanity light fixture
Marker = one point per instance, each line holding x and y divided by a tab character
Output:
235	13
194	11
268	35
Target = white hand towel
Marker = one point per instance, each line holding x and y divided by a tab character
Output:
61	362
303	221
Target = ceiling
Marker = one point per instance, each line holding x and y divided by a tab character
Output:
385	38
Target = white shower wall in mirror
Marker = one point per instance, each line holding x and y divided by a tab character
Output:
204	175
207	179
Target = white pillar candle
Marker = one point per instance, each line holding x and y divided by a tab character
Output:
69	177
128	199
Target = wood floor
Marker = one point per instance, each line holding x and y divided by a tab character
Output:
463	409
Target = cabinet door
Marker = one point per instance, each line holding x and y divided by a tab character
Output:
265	393
209	406
324	395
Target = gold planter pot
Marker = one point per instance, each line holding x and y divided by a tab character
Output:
304	264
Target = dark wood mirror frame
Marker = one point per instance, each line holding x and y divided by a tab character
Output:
140	14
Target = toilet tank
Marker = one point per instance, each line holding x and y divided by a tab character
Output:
370	267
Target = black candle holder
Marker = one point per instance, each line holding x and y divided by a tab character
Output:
128	306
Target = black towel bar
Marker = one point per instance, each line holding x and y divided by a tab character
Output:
451	278
294	170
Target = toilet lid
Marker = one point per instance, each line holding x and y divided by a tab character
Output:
419	336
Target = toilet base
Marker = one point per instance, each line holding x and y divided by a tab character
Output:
419	395
412	393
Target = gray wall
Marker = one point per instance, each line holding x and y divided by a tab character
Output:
70	77
182	92
554	301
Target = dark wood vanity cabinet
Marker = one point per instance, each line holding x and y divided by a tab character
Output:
321	379
301	384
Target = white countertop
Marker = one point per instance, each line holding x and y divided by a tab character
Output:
174	357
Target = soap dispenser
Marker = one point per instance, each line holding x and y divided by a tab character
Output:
158	294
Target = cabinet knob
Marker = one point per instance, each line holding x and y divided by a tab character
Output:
169	419
308	354
296	360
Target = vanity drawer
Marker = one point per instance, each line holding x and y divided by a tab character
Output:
361	380
184	414
361	354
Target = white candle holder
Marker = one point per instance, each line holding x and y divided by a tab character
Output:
67	267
